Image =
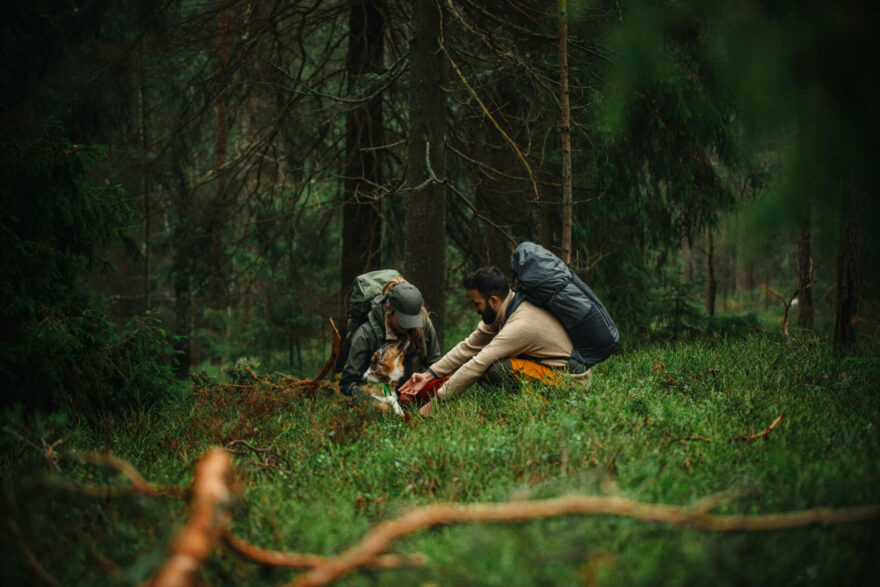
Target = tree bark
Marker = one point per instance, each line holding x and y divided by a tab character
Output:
425	264
215	290
145	180
711	284
805	274
565	132
361	223
183	254
847	270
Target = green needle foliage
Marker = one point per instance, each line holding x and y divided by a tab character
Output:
58	349
658	426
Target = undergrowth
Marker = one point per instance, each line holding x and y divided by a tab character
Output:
659	425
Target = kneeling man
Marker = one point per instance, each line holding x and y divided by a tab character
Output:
530	343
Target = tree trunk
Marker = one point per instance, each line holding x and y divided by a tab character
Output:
361	223
565	131
215	290
183	254
688	260
805	275
145	181
847	271
426	208
711	285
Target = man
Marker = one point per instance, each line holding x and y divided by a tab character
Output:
529	344
397	320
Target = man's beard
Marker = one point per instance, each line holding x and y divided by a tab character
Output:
489	314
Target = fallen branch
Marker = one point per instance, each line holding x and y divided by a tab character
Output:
212	494
382	535
294	560
333	354
138	483
764	432
250	370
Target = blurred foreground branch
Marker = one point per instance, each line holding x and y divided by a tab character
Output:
213	495
379	539
274	558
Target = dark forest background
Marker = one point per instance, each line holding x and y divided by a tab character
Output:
188	184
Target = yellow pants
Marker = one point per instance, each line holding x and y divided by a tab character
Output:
524	371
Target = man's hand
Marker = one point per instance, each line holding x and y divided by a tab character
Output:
426	409
416	383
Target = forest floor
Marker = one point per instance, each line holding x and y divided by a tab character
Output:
724	427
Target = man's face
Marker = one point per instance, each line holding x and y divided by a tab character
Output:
485	307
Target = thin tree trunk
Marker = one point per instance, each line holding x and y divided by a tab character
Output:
183	255
688	260
805	275
145	182
847	271
711	284
216	223
565	131
361	223
425	264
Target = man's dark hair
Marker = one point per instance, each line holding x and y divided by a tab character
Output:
489	281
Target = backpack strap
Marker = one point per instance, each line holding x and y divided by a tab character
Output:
377	328
519	296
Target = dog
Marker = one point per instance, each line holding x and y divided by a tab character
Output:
386	371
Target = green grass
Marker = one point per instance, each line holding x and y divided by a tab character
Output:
344	471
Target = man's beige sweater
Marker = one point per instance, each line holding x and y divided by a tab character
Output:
531	331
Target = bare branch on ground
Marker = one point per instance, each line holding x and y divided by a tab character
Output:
764	432
294	560
382	535
213	495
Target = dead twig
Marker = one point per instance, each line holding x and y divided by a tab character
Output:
764	432
788	302
294	560
382	535
47	451
212	493
333	354
270	454
138	483
250	370
488	114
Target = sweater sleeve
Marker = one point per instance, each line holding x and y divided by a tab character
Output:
464	351
525	333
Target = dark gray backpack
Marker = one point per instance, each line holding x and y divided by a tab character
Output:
547	282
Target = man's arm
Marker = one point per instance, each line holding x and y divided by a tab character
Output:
516	338
465	350
459	355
